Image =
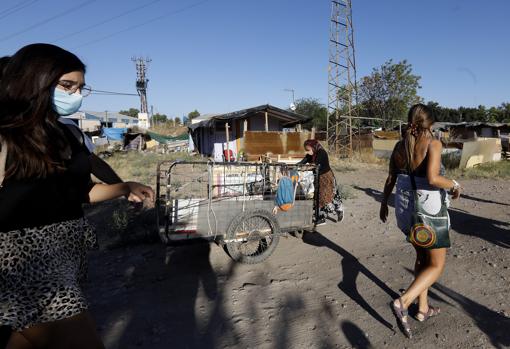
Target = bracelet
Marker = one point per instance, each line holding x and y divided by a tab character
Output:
456	185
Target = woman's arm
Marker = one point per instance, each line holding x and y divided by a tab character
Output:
103	192
307	159
388	188
434	166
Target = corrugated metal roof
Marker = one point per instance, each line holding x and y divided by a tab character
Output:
290	117
446	125
102	116
203	117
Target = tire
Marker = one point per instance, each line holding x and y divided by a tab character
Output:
260	232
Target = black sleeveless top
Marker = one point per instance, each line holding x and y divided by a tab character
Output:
419	171
35	202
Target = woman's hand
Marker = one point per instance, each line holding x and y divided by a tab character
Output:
383	212
139	192
456	189
456	193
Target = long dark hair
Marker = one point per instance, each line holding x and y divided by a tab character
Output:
419	118
28	123
3	62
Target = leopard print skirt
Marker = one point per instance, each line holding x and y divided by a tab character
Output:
41	270
326	188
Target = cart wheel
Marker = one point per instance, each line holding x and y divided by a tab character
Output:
258	235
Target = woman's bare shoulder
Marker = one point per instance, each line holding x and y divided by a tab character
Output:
435	144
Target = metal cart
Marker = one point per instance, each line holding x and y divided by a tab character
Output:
232	204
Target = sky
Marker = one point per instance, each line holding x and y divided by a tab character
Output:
224	55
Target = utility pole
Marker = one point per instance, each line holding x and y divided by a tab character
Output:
141	87
342	87
292	91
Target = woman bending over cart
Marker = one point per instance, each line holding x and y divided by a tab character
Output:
330	201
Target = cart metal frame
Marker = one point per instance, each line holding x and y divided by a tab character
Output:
231	203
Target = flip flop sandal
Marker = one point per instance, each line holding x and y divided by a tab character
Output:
430	313
400	313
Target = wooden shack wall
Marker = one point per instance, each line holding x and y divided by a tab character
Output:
275	142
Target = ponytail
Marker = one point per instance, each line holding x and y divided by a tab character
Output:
419	119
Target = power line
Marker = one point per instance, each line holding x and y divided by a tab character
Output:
16	8
142	24
75	8
105	21
112	93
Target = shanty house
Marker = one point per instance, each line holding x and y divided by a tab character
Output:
478	142
253	131
92	121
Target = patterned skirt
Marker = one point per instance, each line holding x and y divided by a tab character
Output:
327	188
41	270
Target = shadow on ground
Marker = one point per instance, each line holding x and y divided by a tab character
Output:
154	305
494	325
351	269
490	230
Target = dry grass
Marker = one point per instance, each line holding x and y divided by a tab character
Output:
347	192
119	222
167	129
141	167
360	160
500	169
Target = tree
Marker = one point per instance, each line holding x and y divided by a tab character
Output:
389	91
159	118
444	114
504	112
133	112
313	108
177	120
467	114
193	114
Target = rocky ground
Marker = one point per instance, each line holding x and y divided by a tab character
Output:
330	289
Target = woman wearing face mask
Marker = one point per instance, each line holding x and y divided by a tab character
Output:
44	180
329	199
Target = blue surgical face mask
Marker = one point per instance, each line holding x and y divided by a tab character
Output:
64	103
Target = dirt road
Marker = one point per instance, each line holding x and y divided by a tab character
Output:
329	290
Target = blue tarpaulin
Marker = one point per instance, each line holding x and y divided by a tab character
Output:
114	134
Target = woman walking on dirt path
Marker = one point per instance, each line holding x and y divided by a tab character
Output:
44	180
419	153
329	199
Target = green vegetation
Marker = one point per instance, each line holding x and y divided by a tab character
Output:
133	112
159	119
387	93
481	113
495	170
192	115
313	108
